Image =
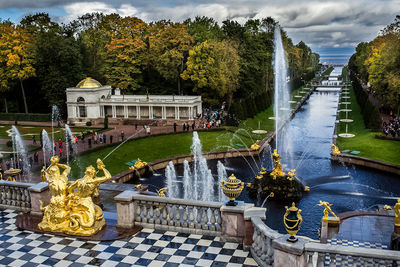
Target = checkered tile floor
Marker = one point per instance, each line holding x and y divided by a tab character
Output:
358	244
146	248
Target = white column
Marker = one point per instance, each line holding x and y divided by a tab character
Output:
138	112
114	112
163	116
150	117
177	113
190	113
126	111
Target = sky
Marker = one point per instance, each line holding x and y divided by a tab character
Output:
331	28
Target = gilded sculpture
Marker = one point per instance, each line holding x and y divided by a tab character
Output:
335	149
327	210
292	221
277	170
71	209
396	209
138	165
255	146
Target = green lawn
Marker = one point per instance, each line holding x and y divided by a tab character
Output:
365	141
28	131
158	147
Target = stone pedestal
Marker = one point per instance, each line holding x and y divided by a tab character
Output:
39	192
288	253
125	209
233	223
248	224
329	227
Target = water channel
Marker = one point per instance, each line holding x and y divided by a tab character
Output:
346	187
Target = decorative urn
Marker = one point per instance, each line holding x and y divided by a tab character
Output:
232	187
292	220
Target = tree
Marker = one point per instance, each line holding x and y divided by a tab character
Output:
15	45
126	53
169	45
214	67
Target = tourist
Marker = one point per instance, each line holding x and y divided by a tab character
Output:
193	126
90	142
8	164
104	138
83	138
34	139
111	139
175	127
148	130
184	126
187	127
55	147
95	137
122	136
135	126
60	143
101	138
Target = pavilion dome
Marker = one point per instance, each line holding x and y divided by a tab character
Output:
88	83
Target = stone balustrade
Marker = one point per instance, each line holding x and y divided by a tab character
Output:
197	217
329	255
262	248
15	195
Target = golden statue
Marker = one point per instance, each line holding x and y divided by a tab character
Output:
263	171
335	149
255	146
55	215
306	188
73	212
291	174
277	170
138	164
327	210
161	192
397	213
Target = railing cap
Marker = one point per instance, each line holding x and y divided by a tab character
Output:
240	208
297	248
15	184
39	187
125	196
255	212
178	201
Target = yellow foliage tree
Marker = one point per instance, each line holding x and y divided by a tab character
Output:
16	60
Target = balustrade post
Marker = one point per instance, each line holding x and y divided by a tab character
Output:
125	209
39	192
248	224
233	223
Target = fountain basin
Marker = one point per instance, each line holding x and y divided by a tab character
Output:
345	110
346	120
346	135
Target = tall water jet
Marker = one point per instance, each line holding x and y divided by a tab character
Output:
186	180
222	175
55	116
170	173
47	147
21	152
202	176
281	95
70	146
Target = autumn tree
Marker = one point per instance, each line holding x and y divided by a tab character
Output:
126	53
169	45
15	56
214	65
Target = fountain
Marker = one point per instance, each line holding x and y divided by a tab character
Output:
346	120
47	147
222	175
281	97
20	153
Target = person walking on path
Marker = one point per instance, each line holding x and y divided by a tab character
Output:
193	126
111	139
104	138
175	127
122	136
34	139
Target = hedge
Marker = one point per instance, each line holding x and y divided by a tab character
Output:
370	113
25	117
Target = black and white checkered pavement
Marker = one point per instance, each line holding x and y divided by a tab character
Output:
147	248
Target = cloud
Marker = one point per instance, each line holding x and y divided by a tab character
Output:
319	23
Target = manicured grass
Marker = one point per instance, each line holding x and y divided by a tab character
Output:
365	141
28	131
157	147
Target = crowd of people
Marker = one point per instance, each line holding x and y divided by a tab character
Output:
392	127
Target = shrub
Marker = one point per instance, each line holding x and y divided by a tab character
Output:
88	123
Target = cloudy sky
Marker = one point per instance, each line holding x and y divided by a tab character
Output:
330	27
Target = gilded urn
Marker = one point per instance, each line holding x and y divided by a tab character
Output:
232	187
292	220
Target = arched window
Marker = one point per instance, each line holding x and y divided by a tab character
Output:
81	106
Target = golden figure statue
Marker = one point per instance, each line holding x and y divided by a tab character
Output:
306	188
263	171
277	170
73	212
138	164
335	149
161	192
327	210
291	174
255	146
55	215
397	213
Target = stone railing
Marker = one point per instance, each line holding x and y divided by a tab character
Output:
163	213
15	195
329	255
262	248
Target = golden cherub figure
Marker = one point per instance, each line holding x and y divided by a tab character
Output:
335	149
327	209
291	174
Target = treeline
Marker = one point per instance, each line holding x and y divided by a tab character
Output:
229	63
378	63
